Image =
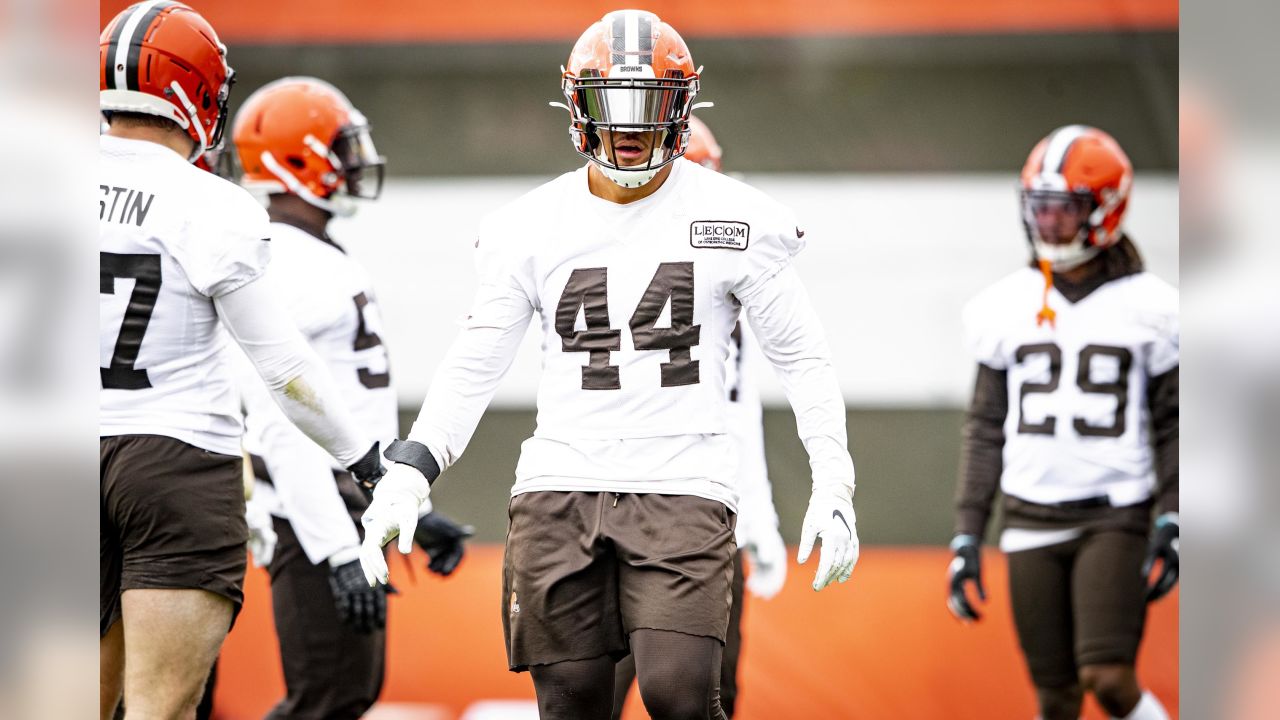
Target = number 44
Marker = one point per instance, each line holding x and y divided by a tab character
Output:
587	290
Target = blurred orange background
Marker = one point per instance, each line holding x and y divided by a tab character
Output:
881	646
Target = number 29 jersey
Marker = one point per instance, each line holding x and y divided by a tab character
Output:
1078	425
171	237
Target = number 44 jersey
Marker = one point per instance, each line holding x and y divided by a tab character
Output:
171	238
636	305
1078	423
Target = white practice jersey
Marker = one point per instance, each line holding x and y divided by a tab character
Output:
171	238
636	304
330	298
1079	423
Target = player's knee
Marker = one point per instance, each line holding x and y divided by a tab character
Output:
1114	686
676	698
674	705
1061	703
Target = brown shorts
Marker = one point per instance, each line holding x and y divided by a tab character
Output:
582	570
172	516
1079	603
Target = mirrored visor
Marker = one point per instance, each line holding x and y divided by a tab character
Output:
1039	202
630	103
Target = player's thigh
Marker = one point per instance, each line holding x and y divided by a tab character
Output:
560	588
1109	598
676	562
1040	594
574	689
678	674
171	639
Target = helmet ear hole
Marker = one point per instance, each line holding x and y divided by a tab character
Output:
297	162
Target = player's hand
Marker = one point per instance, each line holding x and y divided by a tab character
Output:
359	605
1163	547
965	568
442	539
768	561
830	519
262	534
392	513
368	470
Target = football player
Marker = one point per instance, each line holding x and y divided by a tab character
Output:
757	530
621	535
1074	418
182	252
301	142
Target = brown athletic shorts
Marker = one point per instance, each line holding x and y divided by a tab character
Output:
1079	603
172	516
582	570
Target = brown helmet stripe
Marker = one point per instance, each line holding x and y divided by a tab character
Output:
618	37
135	43
645	37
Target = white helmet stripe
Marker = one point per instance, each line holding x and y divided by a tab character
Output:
1055	155
631	25
130	28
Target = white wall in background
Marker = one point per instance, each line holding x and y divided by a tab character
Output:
890	262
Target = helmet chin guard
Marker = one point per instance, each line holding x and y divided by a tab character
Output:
1066	256
629	178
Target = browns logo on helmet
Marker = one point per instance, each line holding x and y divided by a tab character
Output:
162	58
301	135
1074	193
630	84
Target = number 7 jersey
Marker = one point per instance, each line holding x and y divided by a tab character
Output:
171	237
1078	423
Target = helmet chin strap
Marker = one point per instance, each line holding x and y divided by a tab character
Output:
338	205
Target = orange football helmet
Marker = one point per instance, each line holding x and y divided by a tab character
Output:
630	73
162	58
1074	193
301	135
703	148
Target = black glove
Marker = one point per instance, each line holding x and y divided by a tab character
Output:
367	471
966	567
442	539
1163	547
360	606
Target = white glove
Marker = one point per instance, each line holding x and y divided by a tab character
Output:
768	556
262	535
830	518
393	512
